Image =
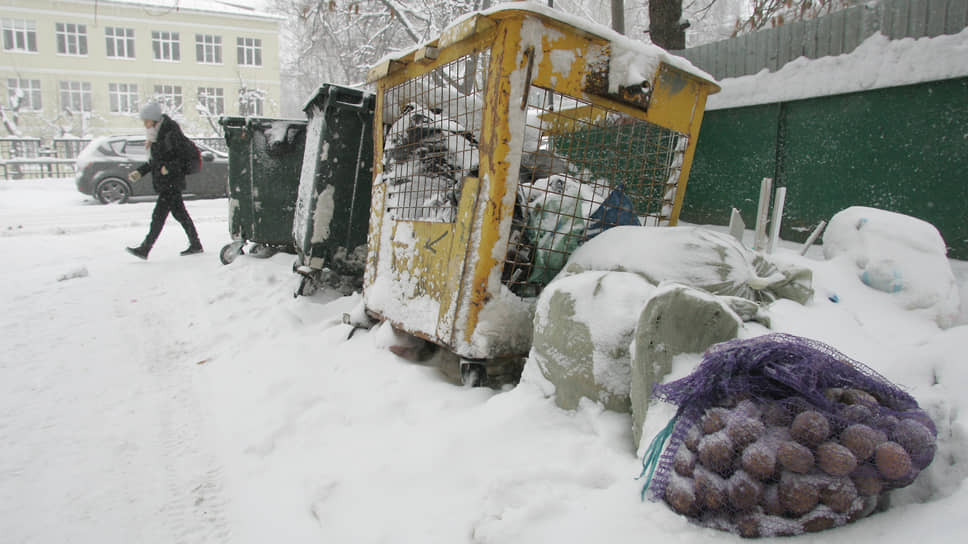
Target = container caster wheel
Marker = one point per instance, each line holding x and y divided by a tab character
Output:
307	287
262	251
472	374
230	252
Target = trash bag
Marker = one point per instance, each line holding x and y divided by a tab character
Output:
558	208
617	210
780	435
898	254
709	260
426	158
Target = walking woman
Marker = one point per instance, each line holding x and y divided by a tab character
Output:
167	163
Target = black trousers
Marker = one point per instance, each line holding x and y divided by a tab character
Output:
170	202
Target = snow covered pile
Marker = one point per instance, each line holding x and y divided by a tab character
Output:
897	254
583	327
698	257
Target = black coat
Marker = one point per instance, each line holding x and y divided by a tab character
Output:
167	150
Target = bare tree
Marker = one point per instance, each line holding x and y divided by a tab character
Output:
10	114
336	41
770	13
203	107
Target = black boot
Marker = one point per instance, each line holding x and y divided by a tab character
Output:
195	247
140	252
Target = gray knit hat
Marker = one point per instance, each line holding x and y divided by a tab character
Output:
151	111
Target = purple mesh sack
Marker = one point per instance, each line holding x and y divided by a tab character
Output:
780	435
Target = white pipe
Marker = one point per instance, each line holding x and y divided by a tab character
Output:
759	238
813	237
777	217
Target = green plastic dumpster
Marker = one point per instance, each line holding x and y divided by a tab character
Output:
333	206
265	161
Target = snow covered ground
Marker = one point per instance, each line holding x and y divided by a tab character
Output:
180	400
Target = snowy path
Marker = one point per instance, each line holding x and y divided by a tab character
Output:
104	431
182	401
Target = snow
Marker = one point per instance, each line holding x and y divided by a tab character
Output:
182	400
897	254
877	63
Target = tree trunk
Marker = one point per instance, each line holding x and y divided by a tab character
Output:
664	26
618	16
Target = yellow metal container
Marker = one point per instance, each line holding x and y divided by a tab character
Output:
502	146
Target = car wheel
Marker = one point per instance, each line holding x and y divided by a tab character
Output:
112	191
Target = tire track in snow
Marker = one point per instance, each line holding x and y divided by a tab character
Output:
172	327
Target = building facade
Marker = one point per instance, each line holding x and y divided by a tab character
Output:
84	68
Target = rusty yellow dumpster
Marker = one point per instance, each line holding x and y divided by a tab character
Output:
499	148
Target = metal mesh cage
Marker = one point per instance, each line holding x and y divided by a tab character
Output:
432	144
584	169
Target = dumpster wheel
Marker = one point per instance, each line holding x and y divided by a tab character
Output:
263	251
307	287
472	374
231	251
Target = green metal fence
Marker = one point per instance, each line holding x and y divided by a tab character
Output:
903	149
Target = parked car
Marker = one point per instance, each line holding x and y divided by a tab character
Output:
104	164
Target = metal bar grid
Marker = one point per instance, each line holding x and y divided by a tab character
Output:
584	169
432	144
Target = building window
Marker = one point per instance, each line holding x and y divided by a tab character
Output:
71	39
120	42
75	96
166	46
19	35
211	100
123	97
171	97
24	94
208	49
251	101
250	51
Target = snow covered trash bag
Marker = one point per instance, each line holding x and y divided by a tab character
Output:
712	261
781	435
898	254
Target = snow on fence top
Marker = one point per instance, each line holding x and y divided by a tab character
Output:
631	62
877	63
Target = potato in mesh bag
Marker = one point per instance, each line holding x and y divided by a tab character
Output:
781	435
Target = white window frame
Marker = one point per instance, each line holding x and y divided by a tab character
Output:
71	39
123	97
260	103
255	98
19	34
79	90
208	49
209	96
166	45
119	42
249	51
33	97
172	97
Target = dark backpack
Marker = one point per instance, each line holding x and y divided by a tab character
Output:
191	156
